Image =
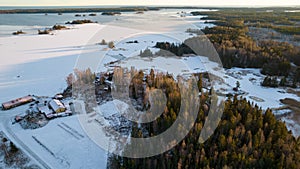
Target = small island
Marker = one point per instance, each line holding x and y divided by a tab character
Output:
18	32
44	32
49	30
80	21
59	27
139	12
111	13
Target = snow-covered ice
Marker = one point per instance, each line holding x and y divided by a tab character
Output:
39	64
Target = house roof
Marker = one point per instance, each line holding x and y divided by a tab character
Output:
56	104
45	110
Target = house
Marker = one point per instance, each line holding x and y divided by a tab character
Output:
57	106
17	102
58	96
46	111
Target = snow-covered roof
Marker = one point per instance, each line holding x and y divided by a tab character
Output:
45	110
58	96
56	104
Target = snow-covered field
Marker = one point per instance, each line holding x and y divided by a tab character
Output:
63	144
250	80
39	64
33	64
5	160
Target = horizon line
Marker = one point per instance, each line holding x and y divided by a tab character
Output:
161	6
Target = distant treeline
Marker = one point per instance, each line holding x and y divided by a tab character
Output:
135	8
274	18
236	48
78	10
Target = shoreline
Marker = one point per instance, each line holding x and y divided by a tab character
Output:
40	67
84	9
77	10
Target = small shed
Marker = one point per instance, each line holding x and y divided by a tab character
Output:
58	96
57	106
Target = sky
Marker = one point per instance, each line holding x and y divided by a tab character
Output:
250	3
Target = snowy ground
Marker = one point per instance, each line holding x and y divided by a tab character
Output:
63	144
5	148
265	97
250	80
186	65
39	64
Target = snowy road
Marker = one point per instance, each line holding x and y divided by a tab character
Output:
6	119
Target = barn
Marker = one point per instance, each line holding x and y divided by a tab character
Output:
17	102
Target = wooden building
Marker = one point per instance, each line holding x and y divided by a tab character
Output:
17	102
57	106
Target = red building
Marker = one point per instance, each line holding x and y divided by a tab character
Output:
17	102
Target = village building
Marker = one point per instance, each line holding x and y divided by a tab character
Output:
46	111
17	102
57	106
58	96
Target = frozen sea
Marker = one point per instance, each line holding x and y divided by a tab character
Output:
30	23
